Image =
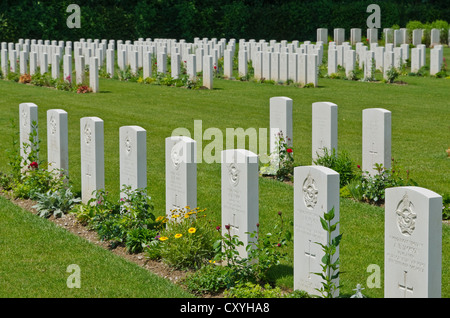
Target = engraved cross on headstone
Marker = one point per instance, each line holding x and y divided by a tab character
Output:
175	204
372	154
234	227
310	255
404	287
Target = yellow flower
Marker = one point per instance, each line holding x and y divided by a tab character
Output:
159	219
187	207
192	230
163	238
186	215
212	262
174	216
178	235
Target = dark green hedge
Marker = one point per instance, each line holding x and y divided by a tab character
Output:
186	19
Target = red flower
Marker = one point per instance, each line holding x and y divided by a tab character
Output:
289	150
218	227
215	67
33	165
359	167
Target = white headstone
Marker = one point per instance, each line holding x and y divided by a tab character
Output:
228	64
312	69
79	69
284	66
92	157
55	66
376	139
355	36
57	140
161	62
4	57
412	243
332	61
280	121
316	191
93	74
23	62
191	69
339	36
372	35
28	122
67	68
324	128
175	65
302	68
133	157
435	61
181	173
415	59
417	37
240	195
243	63
275	66
208	71
322	35
147	64
110	61
435	37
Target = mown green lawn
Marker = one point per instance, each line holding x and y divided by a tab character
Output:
35	256
420	136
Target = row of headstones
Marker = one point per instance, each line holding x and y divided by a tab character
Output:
95	53
413	228
395	37
376	131
376	139
200	56
383	58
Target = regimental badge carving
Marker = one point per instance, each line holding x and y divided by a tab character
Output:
233	173
87	134
177	153
25	122
406	217
128	145
310	192
52	124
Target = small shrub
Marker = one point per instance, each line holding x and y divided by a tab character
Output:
340	163
186	241
391	75
55	203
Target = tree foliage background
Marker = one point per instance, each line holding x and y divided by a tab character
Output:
186	19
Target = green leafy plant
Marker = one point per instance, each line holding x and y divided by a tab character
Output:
391	75
210	278
281	160
55	203
373	186
186	241
266	251
113	221
30	176
252	290
340	163
330	263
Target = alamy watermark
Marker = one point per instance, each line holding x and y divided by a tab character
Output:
73	20
374	20
235	138
74	280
